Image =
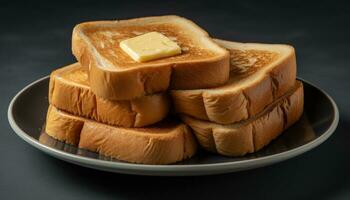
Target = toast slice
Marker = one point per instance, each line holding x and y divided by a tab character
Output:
70	91
260	73
250	135
116	76
164	143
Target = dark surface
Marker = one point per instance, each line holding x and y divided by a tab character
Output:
28	110
35	39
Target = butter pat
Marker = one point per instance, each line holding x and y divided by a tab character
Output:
149	46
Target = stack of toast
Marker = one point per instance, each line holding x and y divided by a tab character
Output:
230	98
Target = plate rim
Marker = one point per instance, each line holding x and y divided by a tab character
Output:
211	168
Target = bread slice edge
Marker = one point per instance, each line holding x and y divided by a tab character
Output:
78	99
154	145
229	105
250	135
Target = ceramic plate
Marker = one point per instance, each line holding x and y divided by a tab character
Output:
28	108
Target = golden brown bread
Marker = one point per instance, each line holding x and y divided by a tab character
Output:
260	73
114	75
70	91
164	143
250	135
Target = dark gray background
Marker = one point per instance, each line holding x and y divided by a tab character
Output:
35	39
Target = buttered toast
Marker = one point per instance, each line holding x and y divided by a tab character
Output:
250	135
260	73
167	142
115	75
70	91
232	98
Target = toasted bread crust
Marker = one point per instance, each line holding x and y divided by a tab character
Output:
135	82
226	107
253	134
80	100
157	145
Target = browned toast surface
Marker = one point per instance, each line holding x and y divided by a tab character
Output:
260	73
116	76
106	40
